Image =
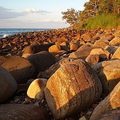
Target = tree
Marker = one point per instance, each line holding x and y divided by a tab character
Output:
71	16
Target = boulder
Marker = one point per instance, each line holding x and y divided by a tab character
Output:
42	60
101	52
115	41
116	55
27	51
111	115
2	60
112	101
22	112
49	72
117	33
35	48
109	73
111	49
73	87
54	49
82	52
64	46
8	85
86	37
93	59
62	39
36	88
73	46
100	43
108	37
77	37
20	68
83	118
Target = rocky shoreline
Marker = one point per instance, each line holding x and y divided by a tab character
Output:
60	74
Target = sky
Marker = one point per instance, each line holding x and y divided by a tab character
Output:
36	13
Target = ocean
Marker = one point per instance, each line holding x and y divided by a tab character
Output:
11	31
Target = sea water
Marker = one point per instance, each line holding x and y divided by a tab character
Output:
11	31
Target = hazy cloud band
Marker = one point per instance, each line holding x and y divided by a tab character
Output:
6	13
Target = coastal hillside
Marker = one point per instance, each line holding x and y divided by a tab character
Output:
96	14
68	73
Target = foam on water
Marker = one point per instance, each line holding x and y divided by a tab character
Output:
5	35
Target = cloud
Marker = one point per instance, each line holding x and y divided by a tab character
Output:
31	24
6	13
32	10
9	13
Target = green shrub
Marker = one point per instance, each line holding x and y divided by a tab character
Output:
102	21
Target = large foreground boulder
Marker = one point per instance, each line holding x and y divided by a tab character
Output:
20	68
22	112
8	85
73	87
42	60
112	101
109	73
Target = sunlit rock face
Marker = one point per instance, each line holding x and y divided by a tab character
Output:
21	69
74	86
109	74
112	101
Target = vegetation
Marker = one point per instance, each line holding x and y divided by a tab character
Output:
102	21
71	16
97	13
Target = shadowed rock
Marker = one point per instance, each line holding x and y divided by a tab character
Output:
2	59
49	72
8	85
111	115
111	49
22	112
42	60
35	48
